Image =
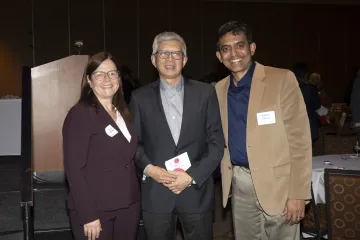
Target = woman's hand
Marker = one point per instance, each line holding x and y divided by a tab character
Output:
92	229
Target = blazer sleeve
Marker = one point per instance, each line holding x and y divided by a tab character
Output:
76	137
297	127
141	160
201	170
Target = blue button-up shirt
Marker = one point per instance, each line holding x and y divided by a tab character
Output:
238	101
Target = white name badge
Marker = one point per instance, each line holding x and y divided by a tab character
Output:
111	131
180	163
265	118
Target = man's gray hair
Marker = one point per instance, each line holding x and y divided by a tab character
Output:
167	36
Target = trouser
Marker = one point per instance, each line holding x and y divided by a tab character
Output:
162	226
249	219
119	224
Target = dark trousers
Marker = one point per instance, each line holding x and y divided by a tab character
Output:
162	226
119	224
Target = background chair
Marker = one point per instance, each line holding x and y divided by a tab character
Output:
342	194
314	222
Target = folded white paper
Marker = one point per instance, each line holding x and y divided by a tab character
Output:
180	163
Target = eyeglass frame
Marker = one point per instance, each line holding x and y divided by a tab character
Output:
167	54
106	74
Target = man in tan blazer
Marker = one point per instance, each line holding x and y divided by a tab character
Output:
267	157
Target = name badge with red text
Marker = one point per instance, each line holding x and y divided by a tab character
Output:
180	163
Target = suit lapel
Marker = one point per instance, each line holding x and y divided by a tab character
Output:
187	108
107	119
160	107
256	92
224	112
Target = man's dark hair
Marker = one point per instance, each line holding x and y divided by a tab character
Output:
235	28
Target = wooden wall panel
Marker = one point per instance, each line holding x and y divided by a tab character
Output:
332	63
15	45
304	35
325	36
270	24
121	32
87	24
215	14
186	20
352	41
154	18
50	30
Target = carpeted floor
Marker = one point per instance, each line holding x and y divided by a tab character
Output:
50	208
49	200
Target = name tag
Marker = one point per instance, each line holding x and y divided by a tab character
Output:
265	118
180	163
111	131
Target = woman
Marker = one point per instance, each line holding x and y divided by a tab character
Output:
99	144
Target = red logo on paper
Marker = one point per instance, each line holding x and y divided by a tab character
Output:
176	160
179	170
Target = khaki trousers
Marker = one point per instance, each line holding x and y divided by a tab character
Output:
250	221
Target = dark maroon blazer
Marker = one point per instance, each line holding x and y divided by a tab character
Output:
100	169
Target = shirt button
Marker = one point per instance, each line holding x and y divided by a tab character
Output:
173	117
127	166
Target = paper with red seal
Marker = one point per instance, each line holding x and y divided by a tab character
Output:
180	163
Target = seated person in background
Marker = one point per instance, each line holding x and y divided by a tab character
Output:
315	80
311	98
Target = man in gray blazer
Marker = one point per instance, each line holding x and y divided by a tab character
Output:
172	116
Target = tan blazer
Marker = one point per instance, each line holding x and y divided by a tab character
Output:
280	154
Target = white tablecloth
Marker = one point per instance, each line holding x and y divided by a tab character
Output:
10	127
349	162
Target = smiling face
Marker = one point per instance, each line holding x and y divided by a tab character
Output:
236	53
106	88
169	69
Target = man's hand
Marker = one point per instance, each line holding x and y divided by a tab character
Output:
183	180
294	211
160	175
92	229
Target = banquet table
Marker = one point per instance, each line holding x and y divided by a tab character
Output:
345	161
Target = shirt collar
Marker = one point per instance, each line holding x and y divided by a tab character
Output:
246	79
166	87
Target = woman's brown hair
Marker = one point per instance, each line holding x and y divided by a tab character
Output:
88	97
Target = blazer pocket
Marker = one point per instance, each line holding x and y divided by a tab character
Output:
282	169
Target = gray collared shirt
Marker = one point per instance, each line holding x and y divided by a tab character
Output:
172	98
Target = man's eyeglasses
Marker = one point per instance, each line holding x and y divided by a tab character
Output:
99	75
165	54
